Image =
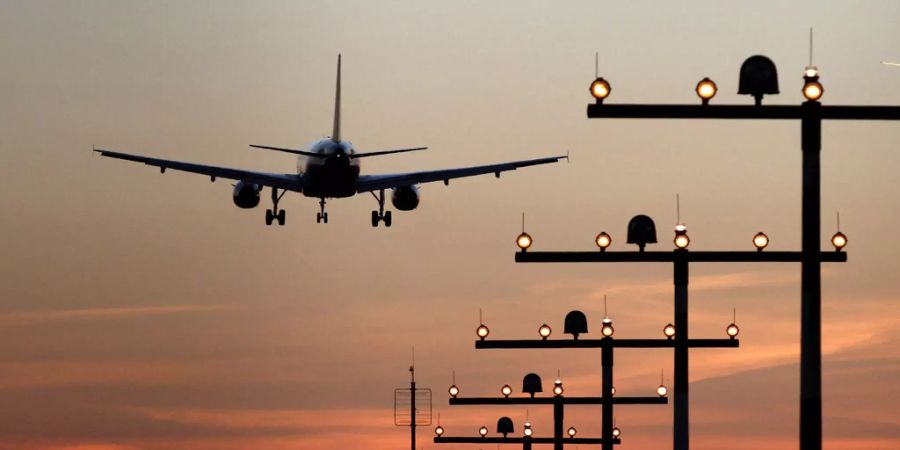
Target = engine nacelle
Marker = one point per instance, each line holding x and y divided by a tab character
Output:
405	198
246	195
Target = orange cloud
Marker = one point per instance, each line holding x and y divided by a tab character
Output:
319	420
25	318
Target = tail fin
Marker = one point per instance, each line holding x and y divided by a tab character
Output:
336	133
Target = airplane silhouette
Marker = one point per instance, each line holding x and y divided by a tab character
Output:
329	168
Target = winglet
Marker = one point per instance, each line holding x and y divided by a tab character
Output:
336	133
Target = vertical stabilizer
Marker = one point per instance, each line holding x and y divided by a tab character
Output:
336	133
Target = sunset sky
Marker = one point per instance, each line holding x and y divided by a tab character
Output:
146	311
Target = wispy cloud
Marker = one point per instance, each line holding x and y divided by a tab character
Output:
97	447
299	420
26	318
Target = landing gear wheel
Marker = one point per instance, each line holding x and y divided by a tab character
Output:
274	213
380	215
321	216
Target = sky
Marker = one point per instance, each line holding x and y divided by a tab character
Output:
146	311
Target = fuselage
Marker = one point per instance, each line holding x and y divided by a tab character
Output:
331	175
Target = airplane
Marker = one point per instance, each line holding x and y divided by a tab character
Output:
887	63
329	168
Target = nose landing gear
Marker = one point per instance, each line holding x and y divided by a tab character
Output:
322	216
380	215
275	213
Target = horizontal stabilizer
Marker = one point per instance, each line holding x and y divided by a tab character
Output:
386	152
352	156
287	150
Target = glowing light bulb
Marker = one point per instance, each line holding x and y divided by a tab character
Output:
732	330
760	240
523	241
603	240
545	331
662	391
558	389
600	89
607	329
839	241
813	90
669	331
681	238
706	90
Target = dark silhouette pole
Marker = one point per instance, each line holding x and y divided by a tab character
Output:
606	361
412	408
558	416
811	282
681	417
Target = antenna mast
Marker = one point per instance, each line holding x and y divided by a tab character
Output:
810	46
678	209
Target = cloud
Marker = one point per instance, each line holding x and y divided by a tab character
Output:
28	318
308	421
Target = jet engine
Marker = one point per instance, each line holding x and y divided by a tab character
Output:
246	195
405	198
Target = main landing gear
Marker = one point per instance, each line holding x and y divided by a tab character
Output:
322	216
380	215
275	213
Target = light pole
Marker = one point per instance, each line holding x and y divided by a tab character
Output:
575	324
680	260
532	385
758	78
606	345
407	412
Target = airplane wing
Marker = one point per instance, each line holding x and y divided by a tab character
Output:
290	182
367	183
